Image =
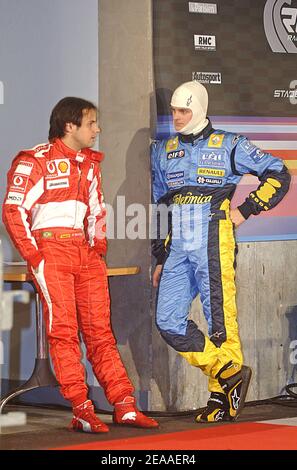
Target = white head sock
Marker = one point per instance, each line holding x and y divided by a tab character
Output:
192	95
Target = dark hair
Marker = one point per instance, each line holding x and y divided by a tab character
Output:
69	109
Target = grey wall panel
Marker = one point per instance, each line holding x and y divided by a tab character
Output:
267	316
266	272
48	50
125	77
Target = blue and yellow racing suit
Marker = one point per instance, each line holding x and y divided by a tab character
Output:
195	179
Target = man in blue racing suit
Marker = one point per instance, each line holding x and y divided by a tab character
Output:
195	174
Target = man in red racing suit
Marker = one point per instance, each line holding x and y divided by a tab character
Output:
55	214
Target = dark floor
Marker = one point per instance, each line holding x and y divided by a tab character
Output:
46	428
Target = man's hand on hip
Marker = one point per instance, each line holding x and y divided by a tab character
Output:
236	217
157	274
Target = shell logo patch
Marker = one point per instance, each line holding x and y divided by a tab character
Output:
58	167
63	166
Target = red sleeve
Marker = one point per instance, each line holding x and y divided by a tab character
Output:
24	188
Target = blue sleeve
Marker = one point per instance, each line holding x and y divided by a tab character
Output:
271	171
159	187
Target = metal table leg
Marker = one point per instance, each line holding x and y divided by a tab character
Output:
42	375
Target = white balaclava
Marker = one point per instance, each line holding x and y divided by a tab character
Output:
192	95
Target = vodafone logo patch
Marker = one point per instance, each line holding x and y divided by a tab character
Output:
19	183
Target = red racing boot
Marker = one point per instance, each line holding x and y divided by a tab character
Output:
126	412
85	420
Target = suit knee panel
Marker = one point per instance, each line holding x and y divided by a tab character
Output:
192	341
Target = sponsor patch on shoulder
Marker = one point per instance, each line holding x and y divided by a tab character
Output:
235	139
19	183
172	144
247	146
24	168
257	155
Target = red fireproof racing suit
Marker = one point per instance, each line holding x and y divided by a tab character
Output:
55	214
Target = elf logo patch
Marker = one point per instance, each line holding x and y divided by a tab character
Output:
177	154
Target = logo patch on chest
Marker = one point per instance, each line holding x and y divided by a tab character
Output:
209	181
58	167
177	154
216	140
175	184
175	175
57	183
212	158
211	172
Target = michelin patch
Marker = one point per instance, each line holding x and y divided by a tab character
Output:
175	175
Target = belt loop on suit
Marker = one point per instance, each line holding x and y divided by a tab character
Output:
217	215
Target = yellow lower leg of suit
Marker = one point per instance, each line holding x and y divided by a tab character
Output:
213	358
